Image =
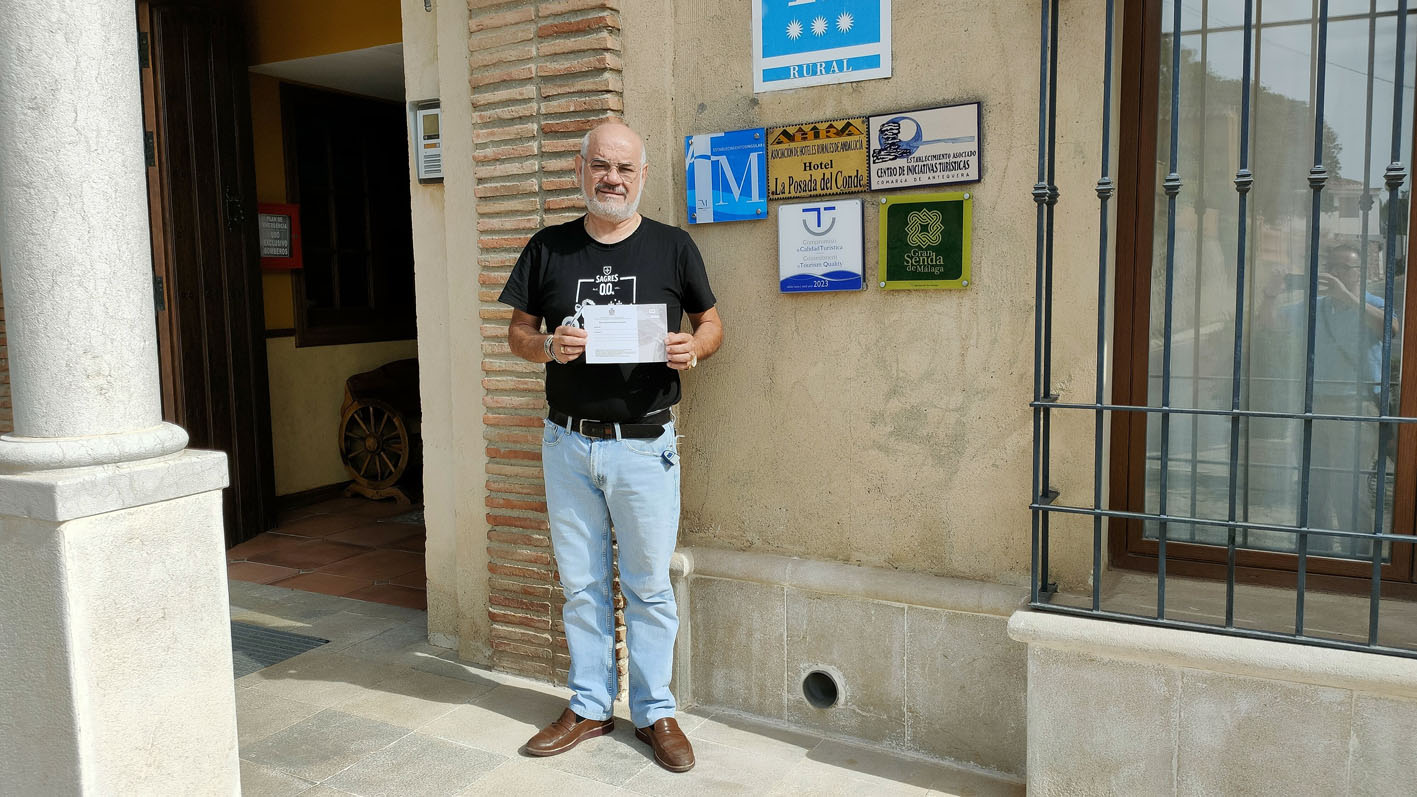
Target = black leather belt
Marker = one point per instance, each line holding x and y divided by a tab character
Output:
650	426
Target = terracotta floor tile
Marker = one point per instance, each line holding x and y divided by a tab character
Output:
382	509
372	535
338	505
258	573
261	544
414	579
324	583
322	525
416	541
393	595
374	565
288	516
309	554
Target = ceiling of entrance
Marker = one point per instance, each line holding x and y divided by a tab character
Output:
372	72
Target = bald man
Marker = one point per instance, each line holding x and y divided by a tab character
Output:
609	454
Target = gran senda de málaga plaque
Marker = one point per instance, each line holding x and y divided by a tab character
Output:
820	246
934	146
924	241
725	176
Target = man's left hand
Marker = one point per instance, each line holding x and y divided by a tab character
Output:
680	346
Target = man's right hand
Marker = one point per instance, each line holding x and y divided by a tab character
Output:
568	343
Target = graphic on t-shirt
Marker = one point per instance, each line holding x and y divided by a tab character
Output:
606	287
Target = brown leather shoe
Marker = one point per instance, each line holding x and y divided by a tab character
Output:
566	732
671	747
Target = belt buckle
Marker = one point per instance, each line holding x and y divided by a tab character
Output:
580	426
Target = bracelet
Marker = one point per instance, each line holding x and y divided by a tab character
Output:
546	347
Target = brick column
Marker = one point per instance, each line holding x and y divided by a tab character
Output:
542	75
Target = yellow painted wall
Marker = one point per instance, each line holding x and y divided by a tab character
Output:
280	30
307	389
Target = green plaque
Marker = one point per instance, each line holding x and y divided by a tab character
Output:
925	241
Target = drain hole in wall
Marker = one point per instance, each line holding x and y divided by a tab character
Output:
820	689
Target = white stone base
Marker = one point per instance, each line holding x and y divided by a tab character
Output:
924	664
115	649
1130	709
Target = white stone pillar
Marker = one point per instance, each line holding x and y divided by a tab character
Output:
74	245
115	648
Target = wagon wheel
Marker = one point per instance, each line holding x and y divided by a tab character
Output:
374	443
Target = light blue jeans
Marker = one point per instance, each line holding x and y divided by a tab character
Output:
632	484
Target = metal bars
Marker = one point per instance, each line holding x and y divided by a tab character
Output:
1104	193
1237	517
1244	180
1318	178
1394	176
1172	186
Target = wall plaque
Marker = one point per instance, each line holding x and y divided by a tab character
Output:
726	176
819	247
936	146
817	159
814	42
279	229
925	241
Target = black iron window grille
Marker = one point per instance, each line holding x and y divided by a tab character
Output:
1266	422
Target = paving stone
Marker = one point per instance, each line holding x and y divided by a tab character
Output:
533	776
441	661
259	715
320	746
346	628
612	759
811	779
259	781
744	733
320	679
411	699
962	783
417	765
874	766
718	770
501	720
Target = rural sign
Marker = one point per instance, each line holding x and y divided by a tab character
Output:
800	43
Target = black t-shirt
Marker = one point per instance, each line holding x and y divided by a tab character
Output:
562	269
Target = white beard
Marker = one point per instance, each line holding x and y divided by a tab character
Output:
610	211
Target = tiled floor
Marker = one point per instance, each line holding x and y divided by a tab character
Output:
379	711
352	547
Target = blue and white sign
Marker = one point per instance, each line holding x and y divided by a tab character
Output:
800	43
726	176
819	247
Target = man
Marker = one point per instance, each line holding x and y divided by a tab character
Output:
609	452
1348	330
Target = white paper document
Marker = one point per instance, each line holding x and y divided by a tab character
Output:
625	333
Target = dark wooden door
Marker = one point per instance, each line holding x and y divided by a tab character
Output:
202	191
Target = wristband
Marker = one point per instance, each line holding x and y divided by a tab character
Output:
546	347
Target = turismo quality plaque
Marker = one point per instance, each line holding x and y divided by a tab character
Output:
819	247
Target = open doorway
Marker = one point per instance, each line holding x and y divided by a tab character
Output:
252	106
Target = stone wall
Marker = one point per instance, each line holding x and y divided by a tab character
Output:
541	75
1128	709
